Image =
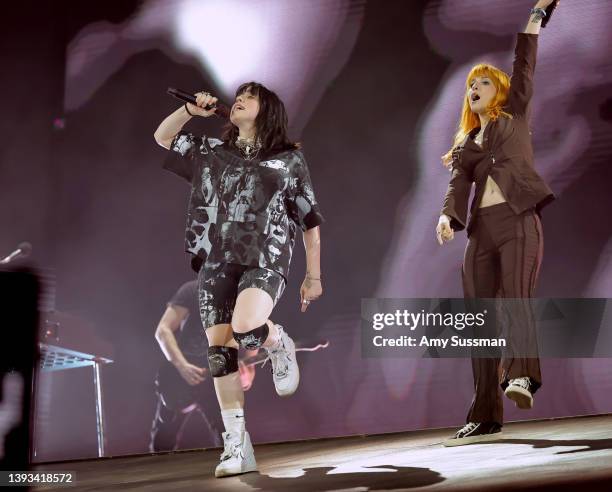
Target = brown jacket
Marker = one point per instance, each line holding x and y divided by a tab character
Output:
506	152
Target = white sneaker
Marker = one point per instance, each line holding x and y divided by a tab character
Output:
238	455
518	390
285	370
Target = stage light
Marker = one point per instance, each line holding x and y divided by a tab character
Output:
229	38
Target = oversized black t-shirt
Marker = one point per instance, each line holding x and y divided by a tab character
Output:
191	339
243	212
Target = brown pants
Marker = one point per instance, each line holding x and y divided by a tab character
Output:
502	259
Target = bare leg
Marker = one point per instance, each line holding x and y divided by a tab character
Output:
238	455
228	388
253	307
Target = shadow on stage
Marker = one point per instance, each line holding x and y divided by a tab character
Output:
385	477
585	444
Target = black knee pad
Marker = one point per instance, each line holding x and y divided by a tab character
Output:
222	360
252	339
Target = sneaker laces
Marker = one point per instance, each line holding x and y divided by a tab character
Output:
279	358
231	448
522	382
467	428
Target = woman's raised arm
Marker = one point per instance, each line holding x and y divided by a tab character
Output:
537	14
174	122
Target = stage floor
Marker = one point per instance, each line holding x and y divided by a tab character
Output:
561	454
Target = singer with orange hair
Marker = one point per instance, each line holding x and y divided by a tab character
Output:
492	149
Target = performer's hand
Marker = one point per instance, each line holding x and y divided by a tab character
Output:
202	99
444	231
310	290
192	374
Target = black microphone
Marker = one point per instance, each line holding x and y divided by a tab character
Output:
549	11
220	109
22	251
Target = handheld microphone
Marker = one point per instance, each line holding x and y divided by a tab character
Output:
549	11
22	251
220	109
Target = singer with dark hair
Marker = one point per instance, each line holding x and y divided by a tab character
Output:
250	192
493	150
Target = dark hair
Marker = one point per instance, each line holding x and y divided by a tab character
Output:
271	121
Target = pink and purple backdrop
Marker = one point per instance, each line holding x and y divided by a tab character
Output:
373	91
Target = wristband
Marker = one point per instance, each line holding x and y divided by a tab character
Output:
187	109
539	13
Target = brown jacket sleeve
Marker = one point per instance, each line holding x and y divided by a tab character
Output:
521	82
457	198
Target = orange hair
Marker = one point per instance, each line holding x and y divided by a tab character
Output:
470	120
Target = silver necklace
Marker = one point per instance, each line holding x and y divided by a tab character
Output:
249	148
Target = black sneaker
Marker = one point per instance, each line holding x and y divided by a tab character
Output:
475	432
519	391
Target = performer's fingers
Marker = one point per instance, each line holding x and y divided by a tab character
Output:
305	303
202	98
446	232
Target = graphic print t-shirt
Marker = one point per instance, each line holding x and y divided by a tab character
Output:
243	212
